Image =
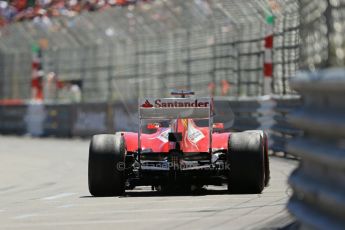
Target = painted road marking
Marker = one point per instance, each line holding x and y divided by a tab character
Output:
97	222
58	196
66	206
24	216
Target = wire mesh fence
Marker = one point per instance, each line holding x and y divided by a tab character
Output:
147	49
322	34
15	79
286	47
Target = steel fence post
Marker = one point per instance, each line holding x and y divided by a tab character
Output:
83	71
164	74
110	72
239	73
109	112
137	71
214	63
283	60
57	69
188	60
2	74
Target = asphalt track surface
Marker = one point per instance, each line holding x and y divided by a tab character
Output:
44	186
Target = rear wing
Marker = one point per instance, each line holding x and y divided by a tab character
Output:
174	108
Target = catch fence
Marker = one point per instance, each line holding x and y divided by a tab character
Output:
148	49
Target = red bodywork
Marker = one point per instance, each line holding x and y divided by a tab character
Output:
158	142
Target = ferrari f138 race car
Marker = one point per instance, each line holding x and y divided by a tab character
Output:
178	146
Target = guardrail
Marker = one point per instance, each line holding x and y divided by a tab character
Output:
318	184
245	113
87	119
58	120
67	120
12	119
282	131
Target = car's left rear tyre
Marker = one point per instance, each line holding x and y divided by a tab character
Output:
106	165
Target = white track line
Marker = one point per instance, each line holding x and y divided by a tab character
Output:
24	216
58	196
66	206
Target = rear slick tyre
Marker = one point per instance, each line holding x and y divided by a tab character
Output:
247	163
266	157
106	165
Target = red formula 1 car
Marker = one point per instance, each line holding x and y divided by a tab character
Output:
176	147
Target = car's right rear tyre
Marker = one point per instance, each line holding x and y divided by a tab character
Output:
106	165
266	157
246	160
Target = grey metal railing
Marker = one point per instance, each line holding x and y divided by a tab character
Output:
86	119
281	130
318	199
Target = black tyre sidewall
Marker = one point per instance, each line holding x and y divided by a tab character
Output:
106	164
246	160
266	157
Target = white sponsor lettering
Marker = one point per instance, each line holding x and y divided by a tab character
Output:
163	136
194	135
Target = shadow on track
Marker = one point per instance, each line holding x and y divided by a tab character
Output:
199	192
150	193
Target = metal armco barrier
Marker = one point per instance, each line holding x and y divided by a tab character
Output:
12	119
282	131
125	116
85	120
318	184
246	113
91	119
35	115
58	120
